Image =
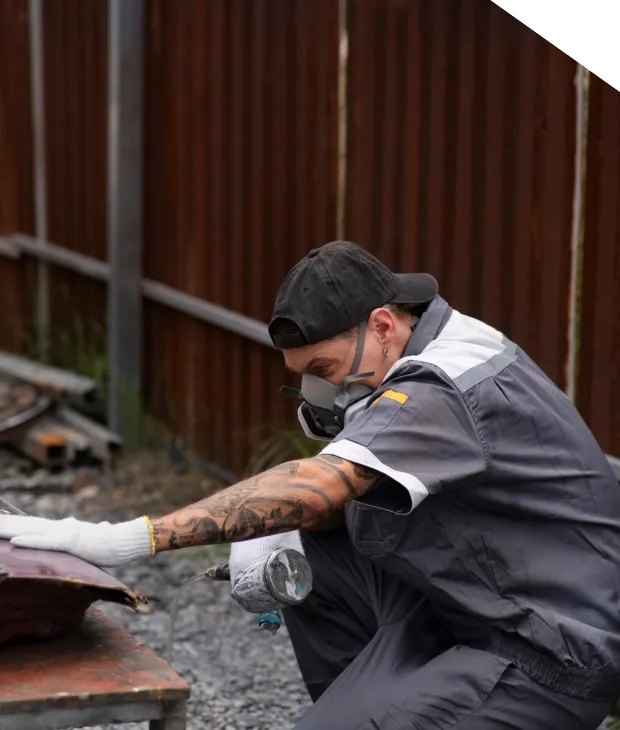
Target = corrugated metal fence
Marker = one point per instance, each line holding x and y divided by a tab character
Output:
460	160
75	82
16	180
598	395
240	183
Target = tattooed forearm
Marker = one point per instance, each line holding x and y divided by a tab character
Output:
360	471
302	494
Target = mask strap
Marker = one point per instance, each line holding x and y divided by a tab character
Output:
359	350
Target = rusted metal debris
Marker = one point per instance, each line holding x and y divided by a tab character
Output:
46	378
45	444
51	441
43	482
20	405
36	419
44	594
103	442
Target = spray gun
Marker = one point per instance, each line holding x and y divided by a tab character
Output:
283	578
268	621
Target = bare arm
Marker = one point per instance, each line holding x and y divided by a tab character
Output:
306	494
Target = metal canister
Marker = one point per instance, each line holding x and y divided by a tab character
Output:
282	579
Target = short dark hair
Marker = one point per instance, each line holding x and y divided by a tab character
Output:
412	310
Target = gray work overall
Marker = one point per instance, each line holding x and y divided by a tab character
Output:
477	585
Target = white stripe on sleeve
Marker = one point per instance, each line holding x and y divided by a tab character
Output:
358	454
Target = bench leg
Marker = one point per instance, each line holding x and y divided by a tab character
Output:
175	717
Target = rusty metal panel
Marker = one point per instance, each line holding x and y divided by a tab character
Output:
76	109
45	593
598	385
98	665
16	168
241	175
461	137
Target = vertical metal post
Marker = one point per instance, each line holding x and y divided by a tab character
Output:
581	119
343	61
125	89
37	90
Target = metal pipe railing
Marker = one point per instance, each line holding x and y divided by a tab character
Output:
200	309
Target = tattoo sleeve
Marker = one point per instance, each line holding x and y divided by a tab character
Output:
309	494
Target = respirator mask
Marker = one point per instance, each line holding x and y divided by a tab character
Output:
327	408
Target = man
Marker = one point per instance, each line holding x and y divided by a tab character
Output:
463	526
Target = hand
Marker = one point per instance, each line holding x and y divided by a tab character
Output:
100	543
244	552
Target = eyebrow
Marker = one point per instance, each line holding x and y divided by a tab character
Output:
314	364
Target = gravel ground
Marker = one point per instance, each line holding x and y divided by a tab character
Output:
240	677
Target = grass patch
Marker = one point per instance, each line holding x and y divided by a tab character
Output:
79	345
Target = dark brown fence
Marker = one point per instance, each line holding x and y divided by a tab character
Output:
598	393
16	180
460	160
75	82
240	183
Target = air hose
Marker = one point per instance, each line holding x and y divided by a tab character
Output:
175	610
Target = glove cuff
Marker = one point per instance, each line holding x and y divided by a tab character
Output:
249	551
132	540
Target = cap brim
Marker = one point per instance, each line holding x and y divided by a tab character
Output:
415	289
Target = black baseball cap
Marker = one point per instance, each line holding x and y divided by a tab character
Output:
336	287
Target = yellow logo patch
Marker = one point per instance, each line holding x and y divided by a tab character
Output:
394	395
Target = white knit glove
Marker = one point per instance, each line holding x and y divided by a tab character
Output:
247	551
100	543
